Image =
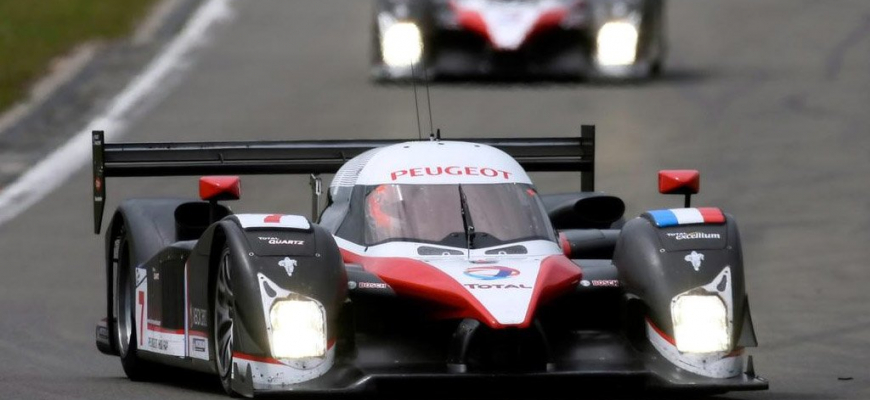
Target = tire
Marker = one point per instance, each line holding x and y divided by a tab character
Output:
223	323
136	368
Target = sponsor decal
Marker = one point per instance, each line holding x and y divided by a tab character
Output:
454	170
199	345
372	285
102	333
495	286
351	285
695	259
141	275
585	283
200	317
140	303
159	344
277	241
155	274
491	273
288	264
272	219
686	216
693	235
605	283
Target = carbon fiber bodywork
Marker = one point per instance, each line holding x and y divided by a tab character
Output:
645	253
180	276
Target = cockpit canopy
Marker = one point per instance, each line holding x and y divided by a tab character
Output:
445	193
456	215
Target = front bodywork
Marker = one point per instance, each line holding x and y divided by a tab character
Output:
519	39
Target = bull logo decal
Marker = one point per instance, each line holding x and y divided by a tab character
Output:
288	264
695	258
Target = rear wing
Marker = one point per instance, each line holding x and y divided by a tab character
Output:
307	157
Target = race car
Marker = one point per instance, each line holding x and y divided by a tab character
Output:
559	39
434	265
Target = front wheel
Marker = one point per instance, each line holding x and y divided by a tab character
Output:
223	323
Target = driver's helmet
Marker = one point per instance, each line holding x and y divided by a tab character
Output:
382	203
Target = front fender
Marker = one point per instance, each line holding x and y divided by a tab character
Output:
255	253
656	265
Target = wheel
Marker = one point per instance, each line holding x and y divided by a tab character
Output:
223	323
136	368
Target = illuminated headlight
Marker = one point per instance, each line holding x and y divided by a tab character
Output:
617	43
402	44
700	324
298	329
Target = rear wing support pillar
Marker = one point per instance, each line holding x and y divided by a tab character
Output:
587	177
316	184
99	182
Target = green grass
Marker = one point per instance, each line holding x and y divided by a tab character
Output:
33	32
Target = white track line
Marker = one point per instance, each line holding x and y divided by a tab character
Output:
55	169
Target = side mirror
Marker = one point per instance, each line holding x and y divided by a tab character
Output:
220	188
680	181
216	188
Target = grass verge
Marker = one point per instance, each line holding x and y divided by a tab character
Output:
33	32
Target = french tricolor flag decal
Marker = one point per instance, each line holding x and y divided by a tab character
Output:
686	216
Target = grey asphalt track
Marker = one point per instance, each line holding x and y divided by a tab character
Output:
769	99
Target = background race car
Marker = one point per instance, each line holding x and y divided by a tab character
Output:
614	39
433	262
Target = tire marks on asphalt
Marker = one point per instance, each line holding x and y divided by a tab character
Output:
837	57
57	167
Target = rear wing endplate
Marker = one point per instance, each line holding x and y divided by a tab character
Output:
307	157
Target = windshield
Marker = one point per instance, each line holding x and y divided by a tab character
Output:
473	216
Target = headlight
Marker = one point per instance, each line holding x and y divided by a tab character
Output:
617	43
401	44
298	329
700	324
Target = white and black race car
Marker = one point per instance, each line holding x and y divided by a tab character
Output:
425	39
435	264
